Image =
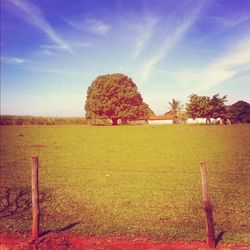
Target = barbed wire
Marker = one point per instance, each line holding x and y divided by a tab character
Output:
101	188
219	174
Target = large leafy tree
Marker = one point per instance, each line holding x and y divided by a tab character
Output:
115	96
240	112
206	107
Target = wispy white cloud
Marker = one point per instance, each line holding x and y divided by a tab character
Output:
72	44
169	42
51	46
232	21
91	25
227	66
33	15
81	44
224	24
12	60
236	59
49	49
97	26
46	52
144	32
231	64
54	71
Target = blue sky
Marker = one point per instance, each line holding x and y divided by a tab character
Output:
51	51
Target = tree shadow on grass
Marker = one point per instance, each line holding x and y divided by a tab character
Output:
14	202
17	202
219	237
59	230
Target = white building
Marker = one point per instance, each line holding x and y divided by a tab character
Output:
196	121
203	121
161	119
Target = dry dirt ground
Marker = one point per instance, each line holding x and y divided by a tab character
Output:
68	241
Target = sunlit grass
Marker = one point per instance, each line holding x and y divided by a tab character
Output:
130	180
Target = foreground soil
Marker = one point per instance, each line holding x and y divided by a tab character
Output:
68	241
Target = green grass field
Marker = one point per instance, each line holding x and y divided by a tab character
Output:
128	181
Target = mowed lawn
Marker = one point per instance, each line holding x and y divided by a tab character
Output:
128	181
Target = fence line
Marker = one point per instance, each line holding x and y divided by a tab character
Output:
219	174
207	203
170	190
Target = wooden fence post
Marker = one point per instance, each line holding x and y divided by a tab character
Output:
35	198
207	207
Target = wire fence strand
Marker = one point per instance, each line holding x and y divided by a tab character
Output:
131	171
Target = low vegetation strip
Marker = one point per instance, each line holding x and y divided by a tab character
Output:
15	120
127	181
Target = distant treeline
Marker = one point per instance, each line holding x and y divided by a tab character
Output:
35	120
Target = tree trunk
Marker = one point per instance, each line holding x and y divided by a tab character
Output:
124	121
114	121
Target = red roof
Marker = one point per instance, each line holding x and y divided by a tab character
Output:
139	118
161	117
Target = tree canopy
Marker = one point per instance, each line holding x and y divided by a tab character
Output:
115	96
240	112
218	108
206	107
197	106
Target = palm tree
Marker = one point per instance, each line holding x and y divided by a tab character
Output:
175	107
